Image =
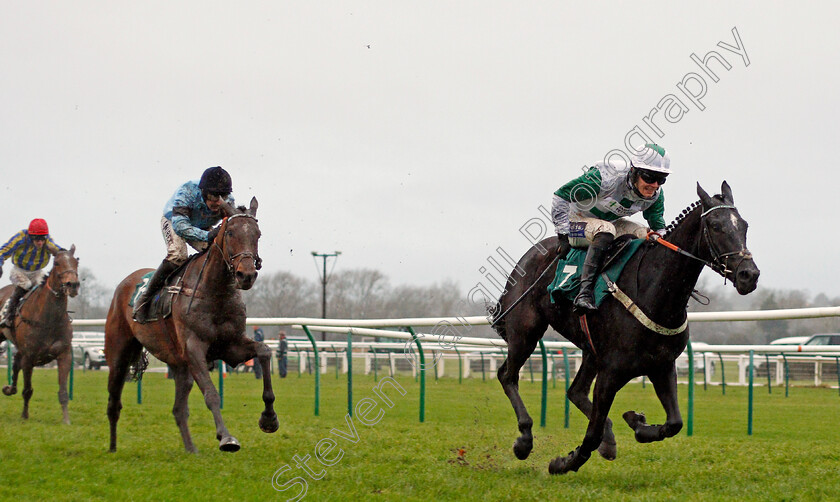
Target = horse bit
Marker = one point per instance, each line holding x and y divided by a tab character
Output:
719	260
229	260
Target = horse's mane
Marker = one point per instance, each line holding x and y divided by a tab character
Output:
680	217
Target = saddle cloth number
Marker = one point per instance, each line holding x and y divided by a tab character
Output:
568	271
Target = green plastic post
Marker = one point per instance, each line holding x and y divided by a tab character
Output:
566	368
422	372
72	363
140	391
375	365
544	405
767	365
722	374
750	398
460	365
317	369
349	373
689	425
483	375
221	384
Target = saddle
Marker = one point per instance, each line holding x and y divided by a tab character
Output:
160	305
4	309
566	282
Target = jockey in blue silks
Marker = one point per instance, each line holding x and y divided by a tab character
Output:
188	218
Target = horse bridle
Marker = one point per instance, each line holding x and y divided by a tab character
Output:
229	260
719	260
64	285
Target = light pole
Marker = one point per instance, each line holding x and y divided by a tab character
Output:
324	279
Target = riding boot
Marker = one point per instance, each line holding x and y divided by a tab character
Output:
585	300
11	307
141	305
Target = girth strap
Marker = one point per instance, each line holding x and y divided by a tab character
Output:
634	309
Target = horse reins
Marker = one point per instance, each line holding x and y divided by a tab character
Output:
523	295
718	262
227	259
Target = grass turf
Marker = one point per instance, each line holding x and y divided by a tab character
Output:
461	452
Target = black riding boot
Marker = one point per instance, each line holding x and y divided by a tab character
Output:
141	306
14	300
585	300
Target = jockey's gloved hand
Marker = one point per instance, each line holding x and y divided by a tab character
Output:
564	246
211	235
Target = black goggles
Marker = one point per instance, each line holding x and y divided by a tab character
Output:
652	177
38	237
217	196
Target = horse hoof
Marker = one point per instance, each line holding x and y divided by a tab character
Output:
634	419
522	448
558	466
608	450
269	424
9	390
229	444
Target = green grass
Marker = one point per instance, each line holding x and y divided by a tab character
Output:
792	454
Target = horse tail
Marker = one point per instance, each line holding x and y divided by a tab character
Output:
139	363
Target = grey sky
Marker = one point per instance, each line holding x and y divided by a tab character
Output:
416	138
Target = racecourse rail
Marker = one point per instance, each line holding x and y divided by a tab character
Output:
440	342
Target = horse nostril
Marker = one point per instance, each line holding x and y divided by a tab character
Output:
748	275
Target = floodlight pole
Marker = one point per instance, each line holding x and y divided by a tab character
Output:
324	279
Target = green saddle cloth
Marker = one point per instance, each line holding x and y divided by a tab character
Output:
567	278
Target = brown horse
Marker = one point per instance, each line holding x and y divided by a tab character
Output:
207	323
42	331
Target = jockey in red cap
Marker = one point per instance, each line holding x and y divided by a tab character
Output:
30	251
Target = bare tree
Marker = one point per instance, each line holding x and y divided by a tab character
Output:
93	299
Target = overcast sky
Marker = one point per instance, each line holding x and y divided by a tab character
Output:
415	137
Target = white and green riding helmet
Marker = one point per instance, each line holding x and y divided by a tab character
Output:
652	158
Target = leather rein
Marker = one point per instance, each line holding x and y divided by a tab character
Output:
229	260
719	260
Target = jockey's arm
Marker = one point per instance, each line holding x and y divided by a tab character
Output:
52	246
655	214
183	226
9	247
582	188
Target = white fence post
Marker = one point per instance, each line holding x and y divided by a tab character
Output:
818	371
743	364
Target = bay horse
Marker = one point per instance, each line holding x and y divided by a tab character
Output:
42	331
617	346
207	323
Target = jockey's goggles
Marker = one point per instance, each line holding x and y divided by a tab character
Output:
652	177
38	237
217	196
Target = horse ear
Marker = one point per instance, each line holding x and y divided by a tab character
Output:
726	192
704	197
254	206
73	250
227	210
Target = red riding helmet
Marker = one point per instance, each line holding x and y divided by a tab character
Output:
38	227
